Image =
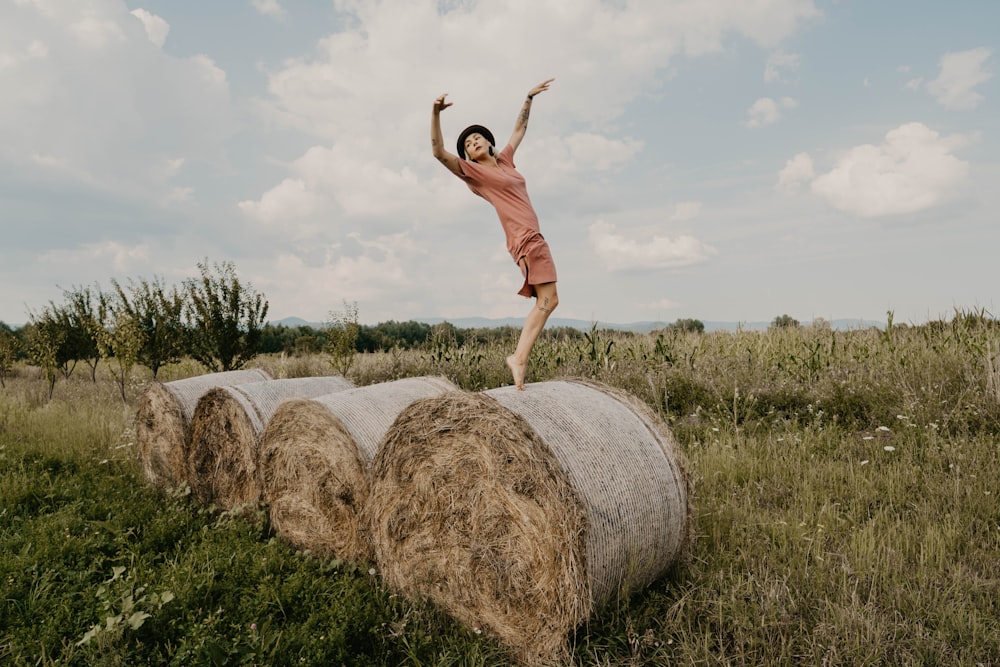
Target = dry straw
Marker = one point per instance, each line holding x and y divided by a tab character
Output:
163	422
314	461
520	513
225	435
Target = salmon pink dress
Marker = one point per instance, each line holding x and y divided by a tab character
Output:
505	189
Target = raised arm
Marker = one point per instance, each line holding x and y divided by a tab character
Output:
521	126
449	160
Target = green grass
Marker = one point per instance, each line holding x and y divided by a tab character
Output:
845	495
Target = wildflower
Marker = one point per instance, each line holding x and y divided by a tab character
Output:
253	626
865	462
889	448
371	571
884	428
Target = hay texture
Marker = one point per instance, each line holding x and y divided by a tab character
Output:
314	461
520	513
226	429
163	422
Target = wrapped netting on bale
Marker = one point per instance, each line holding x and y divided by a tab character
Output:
163	421
314	461
226	429
520	513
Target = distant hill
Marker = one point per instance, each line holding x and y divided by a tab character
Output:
585	325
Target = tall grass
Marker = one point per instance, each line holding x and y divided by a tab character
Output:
845	501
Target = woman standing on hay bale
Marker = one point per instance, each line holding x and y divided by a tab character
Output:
492	176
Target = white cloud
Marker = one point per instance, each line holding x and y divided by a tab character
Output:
343	180
798	170
766	111
210	73
607	55
312	286
97	33
90	101
620	253
914	84
960	73
566	158
118	256
33	51
777	63
290	200
269	7
686	210
156	27
600	152
912	170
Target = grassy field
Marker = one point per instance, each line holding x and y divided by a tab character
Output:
845	495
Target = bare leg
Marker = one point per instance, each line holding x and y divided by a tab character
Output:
546	300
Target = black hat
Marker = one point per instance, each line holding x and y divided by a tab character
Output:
473	129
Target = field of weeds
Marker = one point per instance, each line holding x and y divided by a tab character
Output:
845	500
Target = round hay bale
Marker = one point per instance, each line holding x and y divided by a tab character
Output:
314	461
520	512
225	435
163	422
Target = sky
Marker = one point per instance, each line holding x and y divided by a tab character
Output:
731	160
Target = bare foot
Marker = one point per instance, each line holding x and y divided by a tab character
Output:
517	370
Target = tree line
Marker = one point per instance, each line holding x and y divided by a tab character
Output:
215	319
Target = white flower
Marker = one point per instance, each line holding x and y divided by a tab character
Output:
889	448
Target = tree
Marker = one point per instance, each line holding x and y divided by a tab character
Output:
45	337
159	314
119	337
80	319
64	338
391	334
8	352
342	336
688	325
784	322
224	317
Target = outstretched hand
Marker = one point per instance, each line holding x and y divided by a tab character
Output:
440	105
540	88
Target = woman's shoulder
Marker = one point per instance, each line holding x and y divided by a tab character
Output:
506	155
